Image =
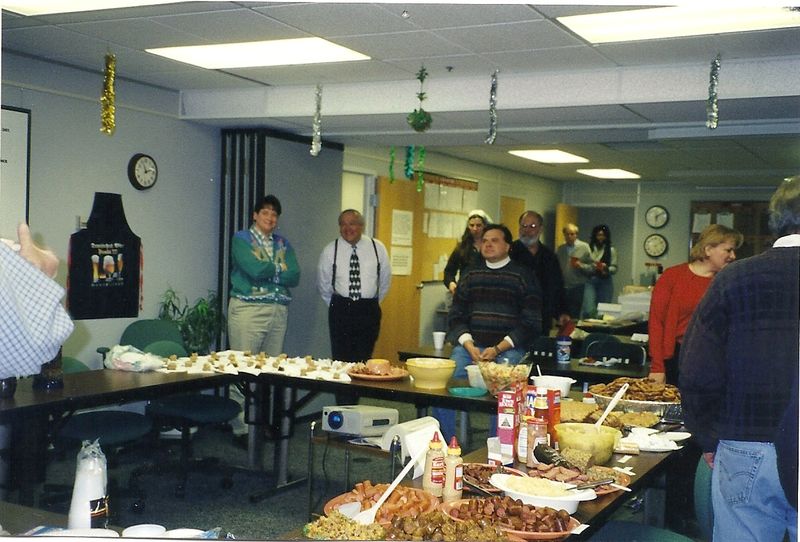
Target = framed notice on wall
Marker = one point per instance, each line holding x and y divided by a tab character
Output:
14	169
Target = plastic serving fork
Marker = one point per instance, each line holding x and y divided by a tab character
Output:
366	517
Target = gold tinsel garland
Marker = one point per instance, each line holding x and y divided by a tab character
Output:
107	108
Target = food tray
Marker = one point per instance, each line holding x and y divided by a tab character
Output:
428	501
629	405
525	535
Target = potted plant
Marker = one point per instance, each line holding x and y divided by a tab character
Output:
201	324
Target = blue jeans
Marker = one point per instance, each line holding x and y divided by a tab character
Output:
597	290
446	416
749	503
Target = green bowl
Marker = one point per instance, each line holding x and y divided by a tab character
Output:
467	391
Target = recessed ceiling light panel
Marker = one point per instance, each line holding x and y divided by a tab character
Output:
679	21
550	156
609	173
47	7
260	53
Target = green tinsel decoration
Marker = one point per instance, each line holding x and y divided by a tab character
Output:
420	169
420	120
409	169
391	164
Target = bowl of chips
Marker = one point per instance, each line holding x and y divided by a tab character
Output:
501	376
643	395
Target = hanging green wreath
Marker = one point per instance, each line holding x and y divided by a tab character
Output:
420	120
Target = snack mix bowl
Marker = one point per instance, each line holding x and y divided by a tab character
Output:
431	373
586	437
562	383
629	405
500	376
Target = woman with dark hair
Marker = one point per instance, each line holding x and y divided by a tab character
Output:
600	287
468	250
677	293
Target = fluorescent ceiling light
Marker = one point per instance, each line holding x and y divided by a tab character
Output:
679	21
45	7
609	173
260	53
550	156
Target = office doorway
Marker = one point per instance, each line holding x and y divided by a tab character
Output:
620	221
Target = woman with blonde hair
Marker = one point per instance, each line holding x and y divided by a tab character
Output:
468	250
678	291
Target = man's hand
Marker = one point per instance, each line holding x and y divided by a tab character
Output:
709	458
563	320
489	354
660	378
45	260
452	287
474	353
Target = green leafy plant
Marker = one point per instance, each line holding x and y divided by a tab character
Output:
201	324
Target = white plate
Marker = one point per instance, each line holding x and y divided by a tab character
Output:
568	503
677	436
105	533
658	449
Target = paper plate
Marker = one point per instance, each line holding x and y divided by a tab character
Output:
92	533
468	391
397	374
184	533
677	436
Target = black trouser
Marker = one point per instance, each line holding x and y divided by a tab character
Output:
354	327
573	296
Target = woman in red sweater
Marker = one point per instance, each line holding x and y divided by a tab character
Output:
677	293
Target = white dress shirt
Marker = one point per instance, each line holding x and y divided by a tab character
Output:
368	266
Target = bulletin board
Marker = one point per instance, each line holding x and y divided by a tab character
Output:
15	145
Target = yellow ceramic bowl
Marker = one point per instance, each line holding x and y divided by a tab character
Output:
584	436
431	373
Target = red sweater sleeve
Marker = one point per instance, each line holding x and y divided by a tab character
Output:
657	323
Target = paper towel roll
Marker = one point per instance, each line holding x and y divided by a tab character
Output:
414	436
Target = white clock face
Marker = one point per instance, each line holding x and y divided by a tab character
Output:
142	171
656	216
655	245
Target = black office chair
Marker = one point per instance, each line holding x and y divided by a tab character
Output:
114	429
596	337
632	354
185	412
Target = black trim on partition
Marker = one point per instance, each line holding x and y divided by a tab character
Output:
27	160
279	134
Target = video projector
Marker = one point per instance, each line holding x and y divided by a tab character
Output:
361	420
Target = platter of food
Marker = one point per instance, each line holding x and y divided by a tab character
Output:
481	472
404	501
575	476
643	395
514	517
376	369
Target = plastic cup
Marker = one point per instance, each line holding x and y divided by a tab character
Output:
438	339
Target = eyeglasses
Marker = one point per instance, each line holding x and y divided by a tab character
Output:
528	226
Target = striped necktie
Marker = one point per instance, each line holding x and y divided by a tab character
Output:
355	276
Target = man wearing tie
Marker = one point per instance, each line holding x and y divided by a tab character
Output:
353	277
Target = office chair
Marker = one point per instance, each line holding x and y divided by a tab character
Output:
184	412
634	353
614	531
142	333
595	337
114	429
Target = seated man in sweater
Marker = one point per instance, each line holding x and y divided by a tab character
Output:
496	312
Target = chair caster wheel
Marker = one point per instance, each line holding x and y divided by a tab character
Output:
138	506
226	483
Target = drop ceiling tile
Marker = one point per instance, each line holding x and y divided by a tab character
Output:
137	12
332	20
230	26
524	36
136	33
437	16
578	57
405	45
466	65
311	74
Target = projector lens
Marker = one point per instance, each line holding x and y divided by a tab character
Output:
335	419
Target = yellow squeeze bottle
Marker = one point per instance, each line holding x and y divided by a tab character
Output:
433	478
454	472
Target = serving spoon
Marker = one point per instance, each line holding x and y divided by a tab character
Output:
611	405
367	517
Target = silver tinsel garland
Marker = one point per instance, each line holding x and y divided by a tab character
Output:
492	111
316	133
712	109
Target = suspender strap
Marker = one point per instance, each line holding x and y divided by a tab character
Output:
336	252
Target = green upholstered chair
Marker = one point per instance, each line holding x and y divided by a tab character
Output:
184	412
614	531
141	333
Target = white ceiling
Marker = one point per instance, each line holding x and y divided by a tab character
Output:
638	106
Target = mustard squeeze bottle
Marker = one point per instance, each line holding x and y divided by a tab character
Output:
453	472
433	477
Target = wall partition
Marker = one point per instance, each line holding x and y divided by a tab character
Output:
257	162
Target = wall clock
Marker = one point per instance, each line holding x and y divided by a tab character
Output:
657	216
655	245
142	171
